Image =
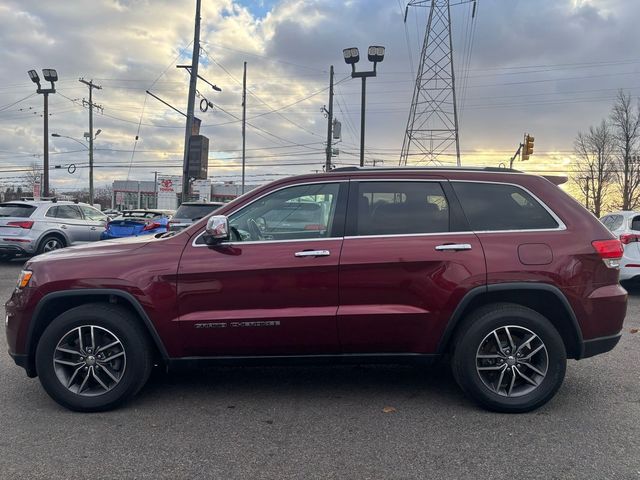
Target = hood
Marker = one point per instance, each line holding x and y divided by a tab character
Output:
100	248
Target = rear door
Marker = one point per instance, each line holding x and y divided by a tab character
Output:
407	260
69	219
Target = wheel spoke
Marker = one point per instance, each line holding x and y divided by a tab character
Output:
526	342
533	352
511	343
492	367
94	374
93	339
73	377
67	362
513	381
492	356
529	380
80	339
108	346
108	372
495	334
84	382
112	357
535	369
500	379
68	350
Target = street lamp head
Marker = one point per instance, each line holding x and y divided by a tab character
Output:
351	55
97	133
375	53
57	135
50	75
33	75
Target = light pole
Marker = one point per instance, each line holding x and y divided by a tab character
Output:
50	75
375	54
86	135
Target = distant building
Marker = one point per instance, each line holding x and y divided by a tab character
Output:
130	194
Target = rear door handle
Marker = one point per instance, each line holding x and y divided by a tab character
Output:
454	246
64	227
94	228
313	253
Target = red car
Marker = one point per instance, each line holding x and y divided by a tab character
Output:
500	270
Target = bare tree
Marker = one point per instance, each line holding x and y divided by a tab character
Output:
596	167
30	177
625	122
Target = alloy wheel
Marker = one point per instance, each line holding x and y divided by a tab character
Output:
89	360
51	244
512	361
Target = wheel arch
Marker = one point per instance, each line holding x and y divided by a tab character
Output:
545	299
52	233
55	303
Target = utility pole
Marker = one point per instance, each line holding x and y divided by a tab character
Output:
193	72
327	165
90	104
244	119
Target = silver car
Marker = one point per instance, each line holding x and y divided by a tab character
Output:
190	212
626	226
30	227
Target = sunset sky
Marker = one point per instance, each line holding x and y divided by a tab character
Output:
547	67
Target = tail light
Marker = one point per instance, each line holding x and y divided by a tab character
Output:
610	251
22	224
151	226
627	238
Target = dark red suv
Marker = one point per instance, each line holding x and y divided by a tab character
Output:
500	270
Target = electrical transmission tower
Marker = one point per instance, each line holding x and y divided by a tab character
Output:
432	127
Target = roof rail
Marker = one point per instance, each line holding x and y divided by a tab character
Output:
45	199
470	169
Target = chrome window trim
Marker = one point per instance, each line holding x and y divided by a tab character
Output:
195	239
561	224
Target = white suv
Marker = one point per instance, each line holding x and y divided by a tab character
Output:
626	226
30	227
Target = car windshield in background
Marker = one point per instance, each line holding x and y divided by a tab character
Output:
141	214
16	210
195	212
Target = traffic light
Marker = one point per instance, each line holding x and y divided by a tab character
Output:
527	147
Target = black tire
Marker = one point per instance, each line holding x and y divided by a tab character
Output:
131	377
49	241
475	337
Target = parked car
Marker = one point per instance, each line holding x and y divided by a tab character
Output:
32	227
626	226
401	265
190	212
131	223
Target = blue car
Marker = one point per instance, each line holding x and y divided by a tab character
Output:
131	223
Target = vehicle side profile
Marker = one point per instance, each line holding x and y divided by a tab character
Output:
500	271
30	227
626	226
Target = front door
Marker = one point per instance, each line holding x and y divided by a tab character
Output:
408	258
273	289
95	222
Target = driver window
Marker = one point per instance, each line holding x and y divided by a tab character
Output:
299	212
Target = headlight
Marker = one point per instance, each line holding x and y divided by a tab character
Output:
24	278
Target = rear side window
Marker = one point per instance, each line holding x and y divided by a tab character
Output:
614	222
635	223
401	208
494	206
18	210
65	211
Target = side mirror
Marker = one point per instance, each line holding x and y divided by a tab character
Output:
217	230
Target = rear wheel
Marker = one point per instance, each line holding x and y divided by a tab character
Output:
51	243
509	358
93	357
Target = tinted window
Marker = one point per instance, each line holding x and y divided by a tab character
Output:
65	211
195	212
492	206
396	208
635	223
16	210
91	213
300	212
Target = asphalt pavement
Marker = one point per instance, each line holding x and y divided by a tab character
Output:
344	422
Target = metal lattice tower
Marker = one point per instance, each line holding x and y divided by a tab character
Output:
432	127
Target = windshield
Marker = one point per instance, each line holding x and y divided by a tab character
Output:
195	212
16	210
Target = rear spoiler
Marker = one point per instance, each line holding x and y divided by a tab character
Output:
557	179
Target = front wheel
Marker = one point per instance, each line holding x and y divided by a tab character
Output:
93	357
509	358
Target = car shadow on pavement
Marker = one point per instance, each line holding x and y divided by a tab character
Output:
435	383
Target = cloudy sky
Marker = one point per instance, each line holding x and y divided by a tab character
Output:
548	67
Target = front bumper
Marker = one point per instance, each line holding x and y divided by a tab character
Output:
25	361
596	346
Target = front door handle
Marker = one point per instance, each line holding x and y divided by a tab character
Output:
313	253
454	246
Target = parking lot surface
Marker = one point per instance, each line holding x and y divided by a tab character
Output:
355	422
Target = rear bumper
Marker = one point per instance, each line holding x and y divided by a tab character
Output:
596	346
6	249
